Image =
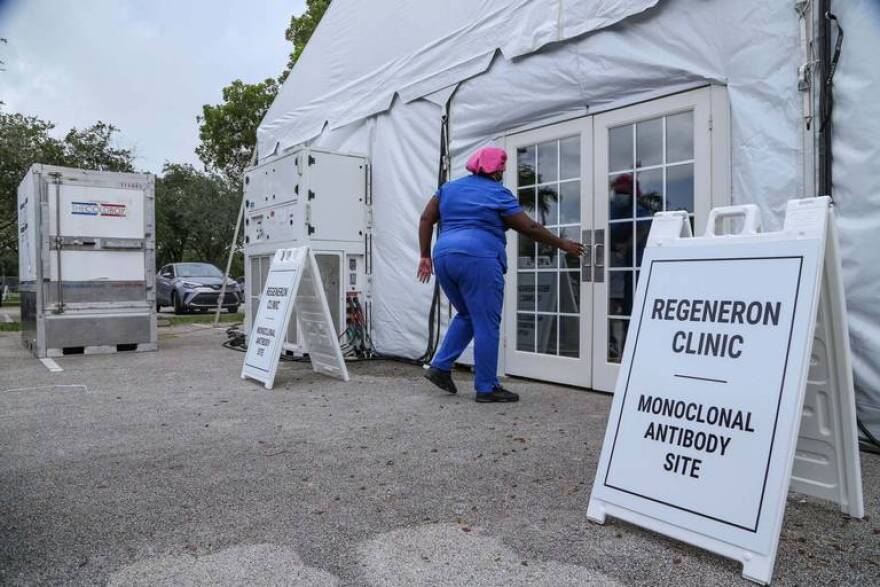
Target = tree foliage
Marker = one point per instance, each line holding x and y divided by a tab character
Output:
25	140
228	131
195	216
300	30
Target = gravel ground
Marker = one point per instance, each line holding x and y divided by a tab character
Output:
166	469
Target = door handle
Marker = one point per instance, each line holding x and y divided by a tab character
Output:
587	257
599	256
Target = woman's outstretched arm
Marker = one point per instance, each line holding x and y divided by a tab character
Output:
525	224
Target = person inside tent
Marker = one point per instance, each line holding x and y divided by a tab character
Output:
470	261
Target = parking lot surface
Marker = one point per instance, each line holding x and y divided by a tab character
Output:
166	468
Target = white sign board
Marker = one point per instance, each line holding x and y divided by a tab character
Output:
293	281
701	440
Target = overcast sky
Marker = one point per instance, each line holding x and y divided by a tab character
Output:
147	66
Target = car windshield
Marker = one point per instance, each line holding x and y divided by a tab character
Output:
197	270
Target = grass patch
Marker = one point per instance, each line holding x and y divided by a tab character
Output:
208	318
10	326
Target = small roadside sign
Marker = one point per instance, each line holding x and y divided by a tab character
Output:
717	411
293	281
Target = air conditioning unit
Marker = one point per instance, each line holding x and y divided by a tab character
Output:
315	198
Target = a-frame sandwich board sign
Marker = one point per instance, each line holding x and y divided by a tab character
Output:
735	385
293	282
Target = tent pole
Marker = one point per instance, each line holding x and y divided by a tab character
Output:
222	296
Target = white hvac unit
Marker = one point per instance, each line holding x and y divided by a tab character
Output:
86	261
315	198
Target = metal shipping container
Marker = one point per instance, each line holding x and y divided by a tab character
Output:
86	261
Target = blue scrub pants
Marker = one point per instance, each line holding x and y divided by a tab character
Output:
475	286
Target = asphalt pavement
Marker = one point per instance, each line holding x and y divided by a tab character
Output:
166	468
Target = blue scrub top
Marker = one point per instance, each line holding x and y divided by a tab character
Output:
471	211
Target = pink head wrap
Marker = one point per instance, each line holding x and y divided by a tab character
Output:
487	160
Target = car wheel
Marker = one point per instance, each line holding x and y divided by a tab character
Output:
178	306
233	309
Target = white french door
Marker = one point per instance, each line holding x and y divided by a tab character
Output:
650	157
548	307
600	179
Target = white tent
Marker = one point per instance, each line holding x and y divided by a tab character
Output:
375	77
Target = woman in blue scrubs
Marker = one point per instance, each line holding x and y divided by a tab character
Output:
470	262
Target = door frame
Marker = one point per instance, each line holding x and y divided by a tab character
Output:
559	369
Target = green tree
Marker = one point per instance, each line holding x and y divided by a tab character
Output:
195	216
228	131
300	31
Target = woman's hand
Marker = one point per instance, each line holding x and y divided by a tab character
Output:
572	247
426	269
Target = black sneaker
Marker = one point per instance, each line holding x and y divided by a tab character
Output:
442	379
499	394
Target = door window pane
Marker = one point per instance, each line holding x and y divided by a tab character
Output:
620	293
525	291
526	198
548	162
620	244
680	187
547	254
546	334
620	148
649	190
547	291
649	142
570	202
548	205
569	292
525	252
620	200
569	336
567	261
525	166
570	158
525	332
680	137
616	339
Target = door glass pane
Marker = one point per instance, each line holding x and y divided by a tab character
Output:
546	334
680	187
527	199
620	244
548	162
620	148
620	292
547	291
570	202
525	291
649	190
547	254
567	261
525	252
570	158
569	336
525	166
616	339
620	190
680	137
548	205
525	332
569	292
649	142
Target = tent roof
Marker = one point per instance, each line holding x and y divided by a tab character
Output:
363	54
